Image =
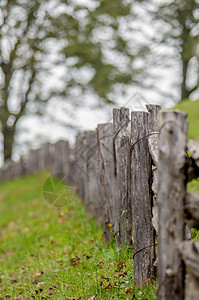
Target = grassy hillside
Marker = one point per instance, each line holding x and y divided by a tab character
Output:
192	108
51	253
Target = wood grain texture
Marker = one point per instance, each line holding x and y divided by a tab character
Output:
121	130
171	196
79	159
107	179
141	197
91	156
192	210
193	147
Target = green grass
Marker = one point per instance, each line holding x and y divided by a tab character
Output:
48	253
192	108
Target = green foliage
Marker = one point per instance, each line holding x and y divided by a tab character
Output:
182	19
50	253
192	109
91	47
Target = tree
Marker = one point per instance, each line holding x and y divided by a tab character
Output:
95	52
180	20
25	33
102	47
18	62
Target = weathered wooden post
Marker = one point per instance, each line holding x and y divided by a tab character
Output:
107	179
171	197
153	142
98	191
49	163
61	159
91	156
79	165
121	144
141	197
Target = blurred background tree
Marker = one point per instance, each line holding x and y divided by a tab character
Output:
178	23
23	29
89	44
95	50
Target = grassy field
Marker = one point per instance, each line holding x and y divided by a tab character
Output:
48	253
192	108
51	253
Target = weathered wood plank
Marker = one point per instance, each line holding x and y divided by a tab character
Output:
107	179
171	194
121	130
193	147
61	162
79	150
141	197
192	210
154	125
99	199
91	156
191	287
190	254
153	143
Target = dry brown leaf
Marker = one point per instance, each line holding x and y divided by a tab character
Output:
18	297
39	284
108	286
128	291
37	275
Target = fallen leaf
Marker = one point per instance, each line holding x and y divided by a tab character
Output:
108	286
37	274
14	281
103	276
75	261
92	298
18	297
128	291
39	284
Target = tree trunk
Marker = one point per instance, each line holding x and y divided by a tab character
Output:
8	136
185	93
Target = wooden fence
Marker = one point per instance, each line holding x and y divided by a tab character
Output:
131	173
178	259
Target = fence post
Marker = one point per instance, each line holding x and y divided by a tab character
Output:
91	156
98	190
141	197
107	179
79	164
121	129
171	197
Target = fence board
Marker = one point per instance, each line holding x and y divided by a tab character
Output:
121	129
107	179
141	178
171	194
